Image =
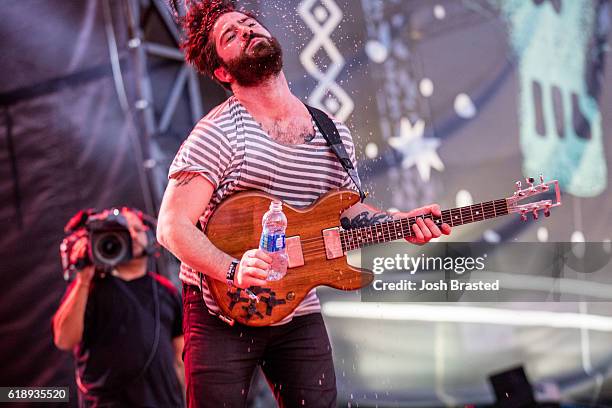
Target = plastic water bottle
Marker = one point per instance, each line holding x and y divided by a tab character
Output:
272	241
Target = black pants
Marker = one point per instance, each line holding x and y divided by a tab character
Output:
220	359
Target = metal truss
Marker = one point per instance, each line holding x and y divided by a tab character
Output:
186	83
152	120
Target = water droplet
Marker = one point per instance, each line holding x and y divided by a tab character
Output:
376	51
579	246
426	87
542	234
371	150
464	107
463	198
439	11
577	236
491	236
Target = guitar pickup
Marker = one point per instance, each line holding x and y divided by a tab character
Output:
333	245
293	248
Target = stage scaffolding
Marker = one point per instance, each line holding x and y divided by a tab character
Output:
152	114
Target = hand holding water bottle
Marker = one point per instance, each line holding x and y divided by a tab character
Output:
272	241
253	269
269	262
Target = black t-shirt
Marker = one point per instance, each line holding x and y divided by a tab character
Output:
118	337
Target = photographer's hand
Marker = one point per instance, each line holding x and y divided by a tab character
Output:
85	276
68	321
78	253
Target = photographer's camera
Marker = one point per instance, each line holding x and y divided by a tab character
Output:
102	239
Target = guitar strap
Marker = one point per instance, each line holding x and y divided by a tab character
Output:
330	132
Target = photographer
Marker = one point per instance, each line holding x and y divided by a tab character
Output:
123	323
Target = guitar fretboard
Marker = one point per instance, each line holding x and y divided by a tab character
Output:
402	228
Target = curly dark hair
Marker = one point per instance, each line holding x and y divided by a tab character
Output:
197	25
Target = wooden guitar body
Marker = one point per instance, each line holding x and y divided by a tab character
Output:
235	227
317	246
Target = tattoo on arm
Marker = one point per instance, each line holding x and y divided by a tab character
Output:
364	219
183	178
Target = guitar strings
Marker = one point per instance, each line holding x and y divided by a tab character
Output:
485	212
316	245
350	235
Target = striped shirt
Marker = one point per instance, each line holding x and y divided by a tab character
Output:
235	154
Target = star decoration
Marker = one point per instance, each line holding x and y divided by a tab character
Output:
417	150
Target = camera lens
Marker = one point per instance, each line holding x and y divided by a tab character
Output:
110	248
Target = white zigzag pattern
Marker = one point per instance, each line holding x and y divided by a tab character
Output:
321	39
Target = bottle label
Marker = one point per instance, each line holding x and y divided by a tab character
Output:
272	242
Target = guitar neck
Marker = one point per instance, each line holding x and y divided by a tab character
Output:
402	227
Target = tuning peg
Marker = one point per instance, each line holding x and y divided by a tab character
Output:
529	181
523	216
541	179
547	212
518	189
535	213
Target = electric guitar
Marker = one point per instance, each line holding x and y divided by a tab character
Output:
316	245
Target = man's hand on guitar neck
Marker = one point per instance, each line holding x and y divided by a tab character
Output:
360	215
424	229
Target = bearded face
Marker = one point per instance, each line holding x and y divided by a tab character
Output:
260	59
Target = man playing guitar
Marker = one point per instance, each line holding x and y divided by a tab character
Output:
261	138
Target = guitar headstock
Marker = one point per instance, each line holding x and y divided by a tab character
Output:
551	187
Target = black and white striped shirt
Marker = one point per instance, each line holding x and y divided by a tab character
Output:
234	153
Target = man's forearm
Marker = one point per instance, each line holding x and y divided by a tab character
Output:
193	247
68	320
362	215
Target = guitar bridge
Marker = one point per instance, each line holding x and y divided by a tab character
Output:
333	245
